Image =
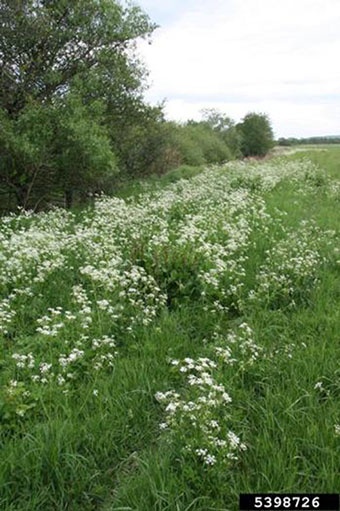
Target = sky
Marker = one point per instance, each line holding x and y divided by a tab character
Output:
279	57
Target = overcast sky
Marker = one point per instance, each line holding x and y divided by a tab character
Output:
280	57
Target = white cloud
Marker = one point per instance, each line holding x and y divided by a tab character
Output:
239	55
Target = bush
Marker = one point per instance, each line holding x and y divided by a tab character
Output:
198	144
146	147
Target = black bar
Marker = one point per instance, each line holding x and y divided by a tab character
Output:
289	501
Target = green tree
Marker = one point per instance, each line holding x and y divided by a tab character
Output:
65	68
257	134
54	149
46	44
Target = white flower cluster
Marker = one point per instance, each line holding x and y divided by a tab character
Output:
85	311
199	415
23	361
239	347
30	253
51	323
291	266
6	315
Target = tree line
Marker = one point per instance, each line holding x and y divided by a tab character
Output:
72	112
291	141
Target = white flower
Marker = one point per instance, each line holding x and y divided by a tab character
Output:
210	459
44	367
60	379
103	304
171	408
233	439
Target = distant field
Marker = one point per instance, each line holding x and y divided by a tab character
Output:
172	349
288	150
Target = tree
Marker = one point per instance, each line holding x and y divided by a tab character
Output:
61	63
225	127
45	44
257	134
54	149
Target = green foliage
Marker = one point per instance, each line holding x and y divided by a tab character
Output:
198	143
83	153
46	45
225	127
66	68
72	107
257	135
145	145
213	147
233	139
152	145
54	148
191	152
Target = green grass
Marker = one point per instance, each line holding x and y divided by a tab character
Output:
326	158
79	451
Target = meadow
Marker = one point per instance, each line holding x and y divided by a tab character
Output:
170	347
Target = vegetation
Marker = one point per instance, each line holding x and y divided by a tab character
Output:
291	141
72	111
66	70
256	135
174	342
177	347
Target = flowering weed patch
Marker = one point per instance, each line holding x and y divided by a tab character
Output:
85	306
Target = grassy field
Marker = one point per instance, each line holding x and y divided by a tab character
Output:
177	345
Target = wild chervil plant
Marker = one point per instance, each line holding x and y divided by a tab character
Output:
151	321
